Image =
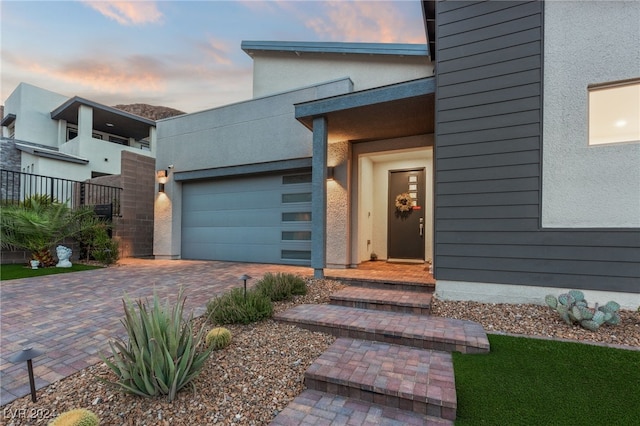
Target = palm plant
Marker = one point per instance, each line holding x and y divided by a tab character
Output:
39	223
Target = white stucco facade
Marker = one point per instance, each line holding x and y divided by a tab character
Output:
587	186
277	72
84	150
32	105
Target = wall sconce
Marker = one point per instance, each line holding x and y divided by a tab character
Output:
162	179
27	354
330	173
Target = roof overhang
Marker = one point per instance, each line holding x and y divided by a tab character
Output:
429	16
105	118
8	119
398	110
301	47
50	153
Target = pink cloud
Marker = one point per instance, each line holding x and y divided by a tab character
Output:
217	50
365	21
127	12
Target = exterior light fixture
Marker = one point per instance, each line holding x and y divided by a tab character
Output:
27	354
244	278
161	174
161	187
330	173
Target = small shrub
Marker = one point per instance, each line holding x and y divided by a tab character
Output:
219	338
77	417
161	355
232	308
96	244
281	286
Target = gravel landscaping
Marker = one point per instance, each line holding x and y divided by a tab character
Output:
262	370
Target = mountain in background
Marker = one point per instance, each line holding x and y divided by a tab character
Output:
151	112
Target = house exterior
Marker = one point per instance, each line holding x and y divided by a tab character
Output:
240	186
49	134
494	133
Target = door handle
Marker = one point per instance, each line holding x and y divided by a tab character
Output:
421	227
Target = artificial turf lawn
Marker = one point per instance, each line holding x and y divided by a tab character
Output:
12	272
526	381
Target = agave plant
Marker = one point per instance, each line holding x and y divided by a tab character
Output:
162	355
39	223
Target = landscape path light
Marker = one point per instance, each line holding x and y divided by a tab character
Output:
27	354
244	278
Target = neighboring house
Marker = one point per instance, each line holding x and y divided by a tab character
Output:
49	134
520	186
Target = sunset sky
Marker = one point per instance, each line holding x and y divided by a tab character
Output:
181	54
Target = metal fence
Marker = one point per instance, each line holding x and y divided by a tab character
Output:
16	187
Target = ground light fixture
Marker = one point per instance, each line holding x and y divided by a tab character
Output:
27	354
244	278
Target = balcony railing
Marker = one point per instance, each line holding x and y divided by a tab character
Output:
18	186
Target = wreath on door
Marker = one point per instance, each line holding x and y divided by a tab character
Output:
404	202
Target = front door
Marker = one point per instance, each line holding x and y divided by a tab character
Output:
406	225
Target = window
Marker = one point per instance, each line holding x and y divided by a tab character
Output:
302	197
72	132
614	112
296	235
296	217
295	179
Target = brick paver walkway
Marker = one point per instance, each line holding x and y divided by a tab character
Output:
72	316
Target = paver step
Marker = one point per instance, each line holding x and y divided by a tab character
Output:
420	331
315	408
387	284
418	303
397	376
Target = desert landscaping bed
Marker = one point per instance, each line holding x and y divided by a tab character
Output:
253	379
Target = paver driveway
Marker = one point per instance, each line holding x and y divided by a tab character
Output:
72	316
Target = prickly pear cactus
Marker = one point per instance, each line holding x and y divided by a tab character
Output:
219	337
573	308
577	295
77	417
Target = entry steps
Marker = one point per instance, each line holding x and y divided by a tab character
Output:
419	331
384	299
391	363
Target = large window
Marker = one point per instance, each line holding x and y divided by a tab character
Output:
614	112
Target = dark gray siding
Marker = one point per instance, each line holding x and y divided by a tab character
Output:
488	161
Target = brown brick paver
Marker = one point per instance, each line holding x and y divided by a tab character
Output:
384	299
397	376
314	408
419	331
72	316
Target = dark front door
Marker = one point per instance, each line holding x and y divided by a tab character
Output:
406	231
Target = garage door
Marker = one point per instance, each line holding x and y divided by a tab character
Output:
265	219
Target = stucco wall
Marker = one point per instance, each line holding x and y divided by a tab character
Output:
32	107
587	186
257	131
338	206
277	72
